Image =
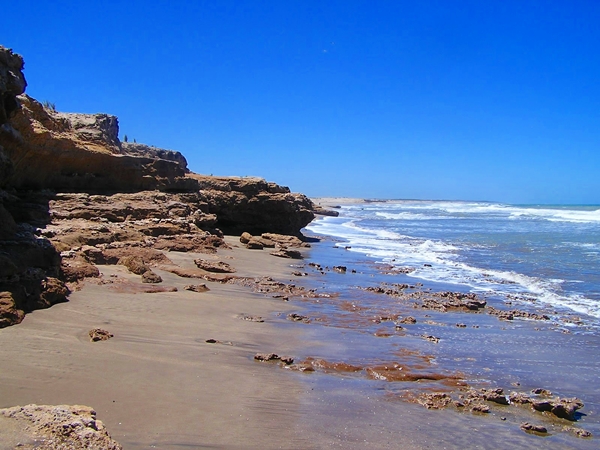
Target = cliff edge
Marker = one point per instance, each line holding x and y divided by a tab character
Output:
72	195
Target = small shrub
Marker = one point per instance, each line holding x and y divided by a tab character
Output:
50	106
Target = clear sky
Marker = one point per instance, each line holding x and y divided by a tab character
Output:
472	100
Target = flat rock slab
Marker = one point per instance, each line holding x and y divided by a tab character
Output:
53	427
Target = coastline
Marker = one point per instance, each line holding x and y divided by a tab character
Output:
157	382
131	241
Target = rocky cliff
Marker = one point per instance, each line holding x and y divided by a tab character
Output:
72	195
80	153
255	205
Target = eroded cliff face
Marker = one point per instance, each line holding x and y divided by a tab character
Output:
29	264
69	152
255	205
72	195
12	83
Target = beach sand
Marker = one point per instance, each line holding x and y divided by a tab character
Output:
158	384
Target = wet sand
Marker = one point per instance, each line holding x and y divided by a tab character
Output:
158	384
360	328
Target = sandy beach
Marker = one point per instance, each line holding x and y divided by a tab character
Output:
157	383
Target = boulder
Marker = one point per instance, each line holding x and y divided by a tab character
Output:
151	277
217	266
57	427
287	253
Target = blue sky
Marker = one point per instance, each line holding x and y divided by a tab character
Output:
472	100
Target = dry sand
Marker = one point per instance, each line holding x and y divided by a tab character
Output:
157	383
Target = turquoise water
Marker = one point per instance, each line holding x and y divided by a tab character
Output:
545	256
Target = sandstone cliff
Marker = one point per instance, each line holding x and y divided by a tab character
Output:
255	205
29	264
67	184
80	153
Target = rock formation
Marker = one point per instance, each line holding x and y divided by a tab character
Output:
54	427
29	264
148	151
254	205
80	153
72	196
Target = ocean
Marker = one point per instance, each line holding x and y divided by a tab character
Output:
548	256
543	260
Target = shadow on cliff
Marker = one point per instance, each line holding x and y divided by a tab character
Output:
30	266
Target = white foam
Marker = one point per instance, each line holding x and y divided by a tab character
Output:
444	264
546	291
414	210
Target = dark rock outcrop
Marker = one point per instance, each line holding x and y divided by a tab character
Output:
30	268
255	206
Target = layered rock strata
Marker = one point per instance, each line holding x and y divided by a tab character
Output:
80	153
72	196
254	205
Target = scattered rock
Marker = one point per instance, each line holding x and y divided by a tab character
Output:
446	301
407	320
267	357
541	391
284	240
245	237
480	408
435	400
494	395
579	432
135	264
198	273
286	253
514	313
287	360
76	269
252	318
431	338
268	285
519	398
98	334
298	318
254	244
339	269
528	427
150	277
197	287
216	267
564	408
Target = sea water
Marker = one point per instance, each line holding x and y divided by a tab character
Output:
545	255
543	259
